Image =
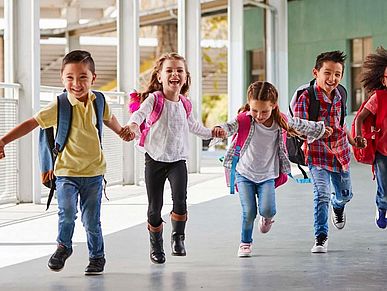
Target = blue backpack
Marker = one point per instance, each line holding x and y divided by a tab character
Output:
50	146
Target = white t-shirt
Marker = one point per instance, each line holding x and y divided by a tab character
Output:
167	139
260	161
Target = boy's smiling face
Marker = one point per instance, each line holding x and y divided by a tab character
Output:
329	76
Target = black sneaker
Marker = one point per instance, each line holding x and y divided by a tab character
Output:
95	266
58	259
338	217
320	244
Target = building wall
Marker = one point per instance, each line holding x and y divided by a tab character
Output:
316	26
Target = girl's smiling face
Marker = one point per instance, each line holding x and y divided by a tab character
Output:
78	79
172	76
261	110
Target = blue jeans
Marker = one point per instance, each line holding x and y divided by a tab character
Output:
381	174
322	179
248	191
89	190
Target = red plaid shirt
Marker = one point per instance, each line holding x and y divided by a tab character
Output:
332	153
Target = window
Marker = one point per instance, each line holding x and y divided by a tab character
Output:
257	61
360	48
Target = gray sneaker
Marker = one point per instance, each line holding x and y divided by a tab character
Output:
338	217
320	244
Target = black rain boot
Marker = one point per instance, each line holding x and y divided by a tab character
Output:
157	254
177	238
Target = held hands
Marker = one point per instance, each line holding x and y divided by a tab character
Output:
360	142
2	153
129	132
328	131
219	132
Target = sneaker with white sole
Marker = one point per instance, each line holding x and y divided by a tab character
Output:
265	224
338	217
320	244
244	250
380	218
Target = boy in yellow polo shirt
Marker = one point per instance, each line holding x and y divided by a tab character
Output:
80	167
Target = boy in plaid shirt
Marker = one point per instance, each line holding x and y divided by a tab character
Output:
328	158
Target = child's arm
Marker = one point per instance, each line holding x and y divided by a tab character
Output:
17	132
312	129
359	140
113	124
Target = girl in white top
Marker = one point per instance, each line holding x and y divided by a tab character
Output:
166	147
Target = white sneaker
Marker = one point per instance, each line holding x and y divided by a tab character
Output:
320	244
265	224
244	250
338	217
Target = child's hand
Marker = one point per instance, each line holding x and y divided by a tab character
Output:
328	131
360	142
219	132
2	153
127	133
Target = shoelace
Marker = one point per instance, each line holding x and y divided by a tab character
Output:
339	215
321	241
96	263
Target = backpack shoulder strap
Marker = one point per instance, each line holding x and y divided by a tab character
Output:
343	94
314	104
154	115
187	104
99	108
244	122
64	119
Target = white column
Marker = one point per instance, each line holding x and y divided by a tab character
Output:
23	67
72	15
189	36
235	78
277	48
128	63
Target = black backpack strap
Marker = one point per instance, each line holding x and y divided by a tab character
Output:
343	94
314	104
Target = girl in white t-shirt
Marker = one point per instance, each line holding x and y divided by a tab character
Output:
263	156
166	147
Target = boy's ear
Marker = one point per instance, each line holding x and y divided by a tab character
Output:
93	80
315	72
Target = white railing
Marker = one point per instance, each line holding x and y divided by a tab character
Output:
9	174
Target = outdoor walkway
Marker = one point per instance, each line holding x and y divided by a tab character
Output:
282	260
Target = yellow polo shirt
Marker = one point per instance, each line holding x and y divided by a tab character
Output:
82	156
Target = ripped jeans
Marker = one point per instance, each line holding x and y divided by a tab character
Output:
322	195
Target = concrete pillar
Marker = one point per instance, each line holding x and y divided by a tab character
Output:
235	57
22	52
128	64
277	48
72	15
189	36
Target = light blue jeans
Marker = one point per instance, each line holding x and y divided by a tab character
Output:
249	191
322	179
89	190
381	179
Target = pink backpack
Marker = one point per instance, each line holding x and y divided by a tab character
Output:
244	123
134	105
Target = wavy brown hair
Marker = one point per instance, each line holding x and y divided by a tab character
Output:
264	91
373	70
154	85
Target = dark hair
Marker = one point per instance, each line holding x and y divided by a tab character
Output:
264	91
76	57
373	70
334	56
154	85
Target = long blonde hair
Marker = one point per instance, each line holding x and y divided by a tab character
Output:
264	91
154	85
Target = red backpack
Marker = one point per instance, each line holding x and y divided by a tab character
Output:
370	130
134	105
